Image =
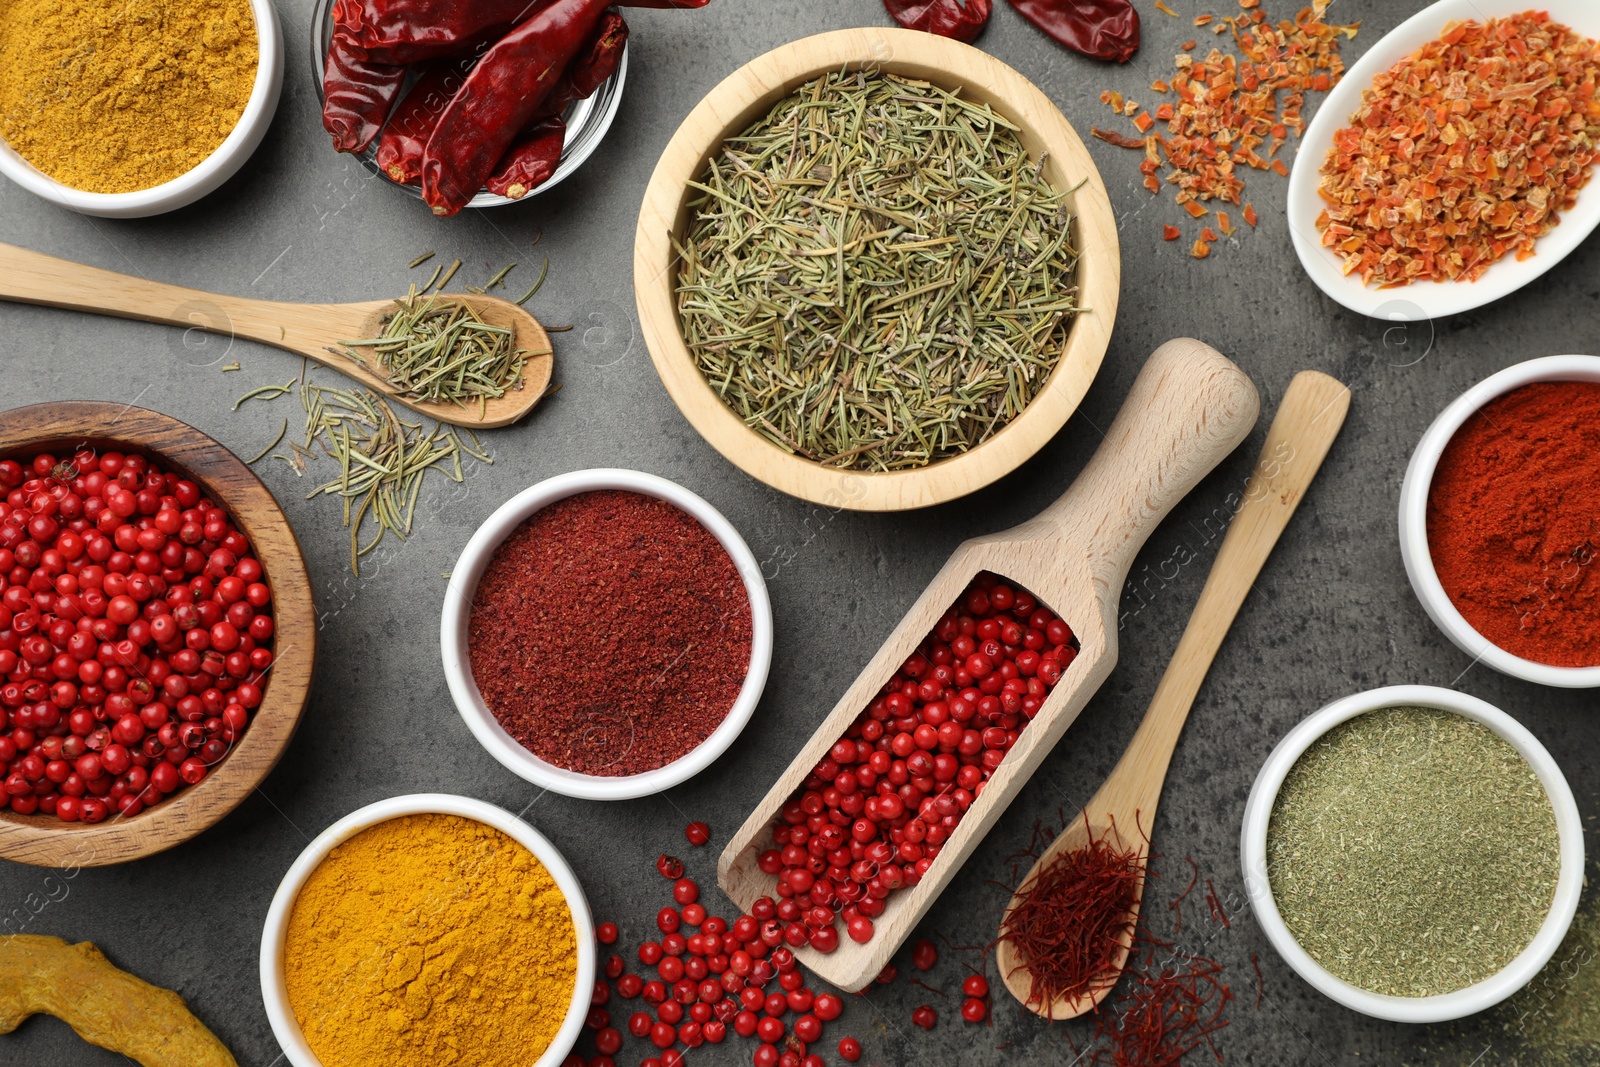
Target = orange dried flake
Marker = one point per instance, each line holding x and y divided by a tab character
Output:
1160	87
1200	250
1204	20
1143	121
1233	113
1250	215
1224	223
1208	234
1170	233
1187	46
1165	10
1468	149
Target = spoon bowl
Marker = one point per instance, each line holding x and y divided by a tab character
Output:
315	331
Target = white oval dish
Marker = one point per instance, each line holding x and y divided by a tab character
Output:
1425	300
1462	1002
215	169
458	610
1414	519
274	989
588	120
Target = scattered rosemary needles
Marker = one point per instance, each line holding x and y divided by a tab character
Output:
875	275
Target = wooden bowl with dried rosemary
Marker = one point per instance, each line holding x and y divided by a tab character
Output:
876	269
63	428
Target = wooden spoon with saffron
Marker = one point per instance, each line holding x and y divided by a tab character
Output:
1122	812
316	331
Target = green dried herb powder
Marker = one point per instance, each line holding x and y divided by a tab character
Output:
1412	852
876	276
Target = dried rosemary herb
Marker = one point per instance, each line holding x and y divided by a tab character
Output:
437	349
1412	852
876	275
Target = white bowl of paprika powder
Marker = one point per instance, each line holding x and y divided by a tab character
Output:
1502	504
606	634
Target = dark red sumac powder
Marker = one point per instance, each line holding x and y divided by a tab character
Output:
610	634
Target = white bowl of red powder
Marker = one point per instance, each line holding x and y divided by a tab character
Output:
1498	524
606	634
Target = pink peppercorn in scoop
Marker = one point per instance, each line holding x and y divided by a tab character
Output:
607	634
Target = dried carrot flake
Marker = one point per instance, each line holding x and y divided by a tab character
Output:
1188	46
1224	223
1466	150
1160	86
1143	121
1193	207
1164	111
1203	20
1279	169
1250	215
1208	234
1249	3
1170	233
1165	10
1200	250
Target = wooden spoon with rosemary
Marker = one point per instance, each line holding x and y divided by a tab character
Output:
464	358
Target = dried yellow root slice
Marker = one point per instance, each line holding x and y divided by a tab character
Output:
105	1005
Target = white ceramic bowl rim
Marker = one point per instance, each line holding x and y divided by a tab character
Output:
1462	1002
1424	300
458	609
274	990
205	176
1414	519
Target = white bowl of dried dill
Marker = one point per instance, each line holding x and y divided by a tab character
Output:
876	269
1413	853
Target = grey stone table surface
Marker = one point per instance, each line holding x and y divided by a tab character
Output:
1331	614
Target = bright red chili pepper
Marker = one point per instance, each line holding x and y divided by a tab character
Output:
357	97
961	20
1099	29
405	31
530	161
504	92
406	135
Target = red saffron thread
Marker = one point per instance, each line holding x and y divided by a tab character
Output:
1214	903
1260	983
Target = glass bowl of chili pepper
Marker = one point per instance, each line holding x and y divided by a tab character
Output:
606	634
542	157
1526	567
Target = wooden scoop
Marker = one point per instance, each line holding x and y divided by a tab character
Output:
1124	809
1188	409
306	329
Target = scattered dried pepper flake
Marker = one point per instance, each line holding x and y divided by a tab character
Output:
1250	215
1279	169
1143	121
1121	140
1208	234
1249	3
1165	10
1170	233
1129	107
1204	20
1160	86
1164	111
1188	46
1466	150
1200	250
1224	223
1194	208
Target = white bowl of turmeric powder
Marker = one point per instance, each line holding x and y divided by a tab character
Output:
128	110
427	929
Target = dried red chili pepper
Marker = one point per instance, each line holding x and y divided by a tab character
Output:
406	136
530	161
505	91
961	20
1121	140
591	68
406	31
1099	29
357	97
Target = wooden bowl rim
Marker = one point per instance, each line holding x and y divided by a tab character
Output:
728	108
45	841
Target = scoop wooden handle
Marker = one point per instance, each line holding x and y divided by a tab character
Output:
1189	408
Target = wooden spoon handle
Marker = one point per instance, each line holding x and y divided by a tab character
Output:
1312	412
35	278
1189	408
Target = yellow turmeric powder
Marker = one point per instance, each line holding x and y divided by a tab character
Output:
110	96
430	940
